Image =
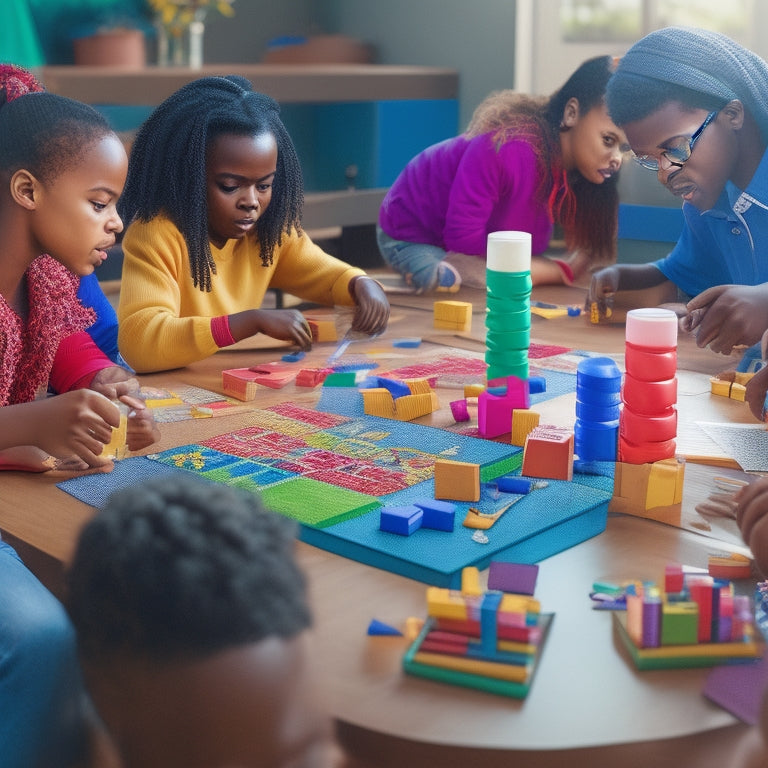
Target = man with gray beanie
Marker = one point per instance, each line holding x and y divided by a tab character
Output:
694	106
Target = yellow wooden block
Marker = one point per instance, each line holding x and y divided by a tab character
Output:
473	390
418	386
738	392
453	315
515	604
322	329
720	387
523	421
378	402
470	581
445	603
411	407
665	483
742	377
457	480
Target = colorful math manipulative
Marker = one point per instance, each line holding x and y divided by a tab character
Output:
648	423
598	404
508	315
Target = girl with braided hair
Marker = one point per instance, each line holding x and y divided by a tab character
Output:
522	164
214	200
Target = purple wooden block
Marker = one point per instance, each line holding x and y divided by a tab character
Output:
512	577
651	623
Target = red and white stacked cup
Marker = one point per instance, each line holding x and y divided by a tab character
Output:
648	421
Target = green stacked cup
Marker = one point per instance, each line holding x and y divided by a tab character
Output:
508	304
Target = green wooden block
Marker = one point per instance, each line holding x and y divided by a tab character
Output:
679	624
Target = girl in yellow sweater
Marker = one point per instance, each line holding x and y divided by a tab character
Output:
214	198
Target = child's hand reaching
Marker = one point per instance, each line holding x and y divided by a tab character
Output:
602	288
752	517
729	315
757	388
283	324
371	306
77	423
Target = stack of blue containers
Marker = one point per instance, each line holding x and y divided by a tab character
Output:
598	404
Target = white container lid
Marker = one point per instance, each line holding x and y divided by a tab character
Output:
652	327
509	251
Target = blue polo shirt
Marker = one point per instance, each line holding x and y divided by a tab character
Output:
727	244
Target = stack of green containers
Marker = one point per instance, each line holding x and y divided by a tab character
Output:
508	314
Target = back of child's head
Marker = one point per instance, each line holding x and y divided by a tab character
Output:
44	133
181	569
167	175
698	68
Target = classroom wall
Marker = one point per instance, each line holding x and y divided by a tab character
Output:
476	39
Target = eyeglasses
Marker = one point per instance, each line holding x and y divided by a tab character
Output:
675	155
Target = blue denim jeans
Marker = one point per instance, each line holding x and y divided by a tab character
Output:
416	262
41	693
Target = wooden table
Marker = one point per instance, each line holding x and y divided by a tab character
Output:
587	705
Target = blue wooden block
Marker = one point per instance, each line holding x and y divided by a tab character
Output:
537	384
401	520
396	388
438	515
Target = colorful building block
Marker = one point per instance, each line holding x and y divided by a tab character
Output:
548	453
239	383
323	329
679	623
523	421
654	491
457	480
459	410
438	515
403	520
311	377
453	315
494	408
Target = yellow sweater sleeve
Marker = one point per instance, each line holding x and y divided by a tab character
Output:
165	321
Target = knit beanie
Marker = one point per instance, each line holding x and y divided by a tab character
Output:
696	59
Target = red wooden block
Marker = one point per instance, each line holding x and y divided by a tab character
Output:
548	453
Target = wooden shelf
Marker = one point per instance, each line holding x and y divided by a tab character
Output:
287	83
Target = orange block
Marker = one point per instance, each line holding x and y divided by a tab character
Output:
457	480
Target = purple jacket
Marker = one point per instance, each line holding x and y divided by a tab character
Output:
454	193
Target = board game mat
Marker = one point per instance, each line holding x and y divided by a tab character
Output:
332	473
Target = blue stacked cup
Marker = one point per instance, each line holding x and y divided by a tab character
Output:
508	304
598	406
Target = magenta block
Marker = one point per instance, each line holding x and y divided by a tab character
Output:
459	410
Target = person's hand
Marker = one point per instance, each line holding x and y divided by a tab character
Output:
142	430
726	316
752	517
114	382
371	306
757	388
286	325
77	423
602	289
30	458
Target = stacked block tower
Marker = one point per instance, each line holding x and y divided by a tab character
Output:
598	405
508	316
648	423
